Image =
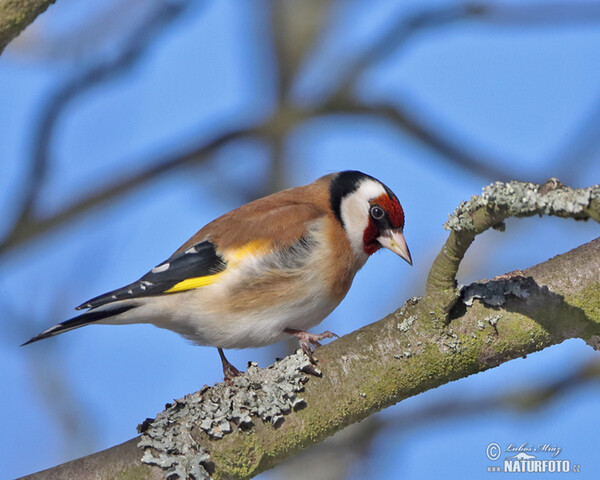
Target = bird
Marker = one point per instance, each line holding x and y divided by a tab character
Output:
263	272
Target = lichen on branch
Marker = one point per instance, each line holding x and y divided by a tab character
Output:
498	202
169	440
521	199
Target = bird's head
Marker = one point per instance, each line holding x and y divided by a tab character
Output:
370	214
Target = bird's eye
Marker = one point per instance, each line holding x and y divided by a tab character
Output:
377	212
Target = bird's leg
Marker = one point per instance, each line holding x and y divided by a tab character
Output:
306	339
229	371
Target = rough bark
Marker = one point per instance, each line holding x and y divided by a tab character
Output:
16	15
401	355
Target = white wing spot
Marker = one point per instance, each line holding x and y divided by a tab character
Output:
161	268
191	250
114	297
142	286
130	291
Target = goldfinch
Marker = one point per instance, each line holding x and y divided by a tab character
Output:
269	269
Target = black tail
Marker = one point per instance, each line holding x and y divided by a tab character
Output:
80	321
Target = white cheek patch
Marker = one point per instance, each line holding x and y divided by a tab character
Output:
355	212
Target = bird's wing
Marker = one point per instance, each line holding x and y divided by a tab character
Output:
198	265
280	219
222	243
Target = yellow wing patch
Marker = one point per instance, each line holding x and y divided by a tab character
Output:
196	282
254	248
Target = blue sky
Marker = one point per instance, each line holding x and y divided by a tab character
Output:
517	95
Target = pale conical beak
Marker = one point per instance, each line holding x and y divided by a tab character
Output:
393	239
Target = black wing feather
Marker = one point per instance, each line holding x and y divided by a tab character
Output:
197	261
79	321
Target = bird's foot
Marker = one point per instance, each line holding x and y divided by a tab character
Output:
229	371
307	339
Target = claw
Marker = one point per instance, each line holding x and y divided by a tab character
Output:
306	339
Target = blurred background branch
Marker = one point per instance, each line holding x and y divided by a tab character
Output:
296	28
301	67
27	226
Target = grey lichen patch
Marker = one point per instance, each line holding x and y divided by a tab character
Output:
495	292
493	320
452	343
521	199
268	394
177	464
405	324
405	354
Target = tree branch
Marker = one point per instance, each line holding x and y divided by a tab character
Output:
350	450
16	15
379	365
498	202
